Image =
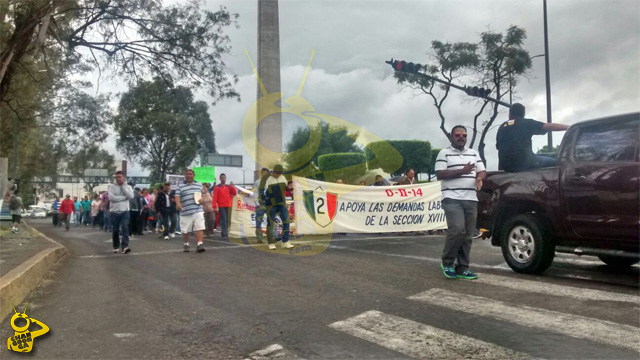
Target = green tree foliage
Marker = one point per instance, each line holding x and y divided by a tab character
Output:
415	154
545	151
126	38
496	62
92	157
163	127
432	164
333	139
346	166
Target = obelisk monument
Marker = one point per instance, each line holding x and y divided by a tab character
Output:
270	128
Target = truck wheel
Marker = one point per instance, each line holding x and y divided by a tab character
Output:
527	245
618	262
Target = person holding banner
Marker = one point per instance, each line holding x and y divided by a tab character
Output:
222	198
260	209
461	171
273	189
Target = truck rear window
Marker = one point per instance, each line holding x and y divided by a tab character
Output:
607	142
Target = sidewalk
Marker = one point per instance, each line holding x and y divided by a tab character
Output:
25	258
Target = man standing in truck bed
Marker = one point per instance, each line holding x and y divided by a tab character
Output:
514	141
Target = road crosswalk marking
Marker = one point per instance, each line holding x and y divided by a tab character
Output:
554	289
419	340
596	330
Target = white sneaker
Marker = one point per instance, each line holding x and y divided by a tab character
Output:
166	238
179	232
272	246
287	245
172	235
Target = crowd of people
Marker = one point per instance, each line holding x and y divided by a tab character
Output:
200	208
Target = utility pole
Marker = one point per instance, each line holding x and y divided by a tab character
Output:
546	66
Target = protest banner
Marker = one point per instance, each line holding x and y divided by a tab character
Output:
325	208
205	174
243	216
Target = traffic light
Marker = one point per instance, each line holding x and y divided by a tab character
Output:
400	65
477	91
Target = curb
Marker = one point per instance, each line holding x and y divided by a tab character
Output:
17	284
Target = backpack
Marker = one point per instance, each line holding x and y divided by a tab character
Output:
14	204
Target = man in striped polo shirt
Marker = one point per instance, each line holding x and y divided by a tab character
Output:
188	197
461	171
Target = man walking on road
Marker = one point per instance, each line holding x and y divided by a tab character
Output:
188	198
86	211
55	207
222	198
163	207
67	210
15	207
119	196
78	212
461	171
260	208
273	189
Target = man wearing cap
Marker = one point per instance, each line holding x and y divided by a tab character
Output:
273	188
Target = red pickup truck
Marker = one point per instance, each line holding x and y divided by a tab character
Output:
589	204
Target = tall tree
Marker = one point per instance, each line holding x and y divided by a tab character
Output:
333	139
163	127
128	38
414	154
92	157
496	62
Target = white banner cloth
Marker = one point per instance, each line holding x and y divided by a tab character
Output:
323	208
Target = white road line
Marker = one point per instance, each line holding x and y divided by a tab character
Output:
418	340
554	289
414	257
600	331
274	351
123	335
133	253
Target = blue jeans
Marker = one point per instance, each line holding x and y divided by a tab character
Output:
259	218
107	220
120	222
545	161
224	222
284	216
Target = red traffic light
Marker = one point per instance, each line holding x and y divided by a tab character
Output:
401	65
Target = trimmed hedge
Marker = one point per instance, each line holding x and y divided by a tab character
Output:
414	154
346	166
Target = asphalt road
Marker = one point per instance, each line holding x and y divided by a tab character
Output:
375	296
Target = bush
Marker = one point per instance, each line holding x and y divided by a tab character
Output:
414	154
346	166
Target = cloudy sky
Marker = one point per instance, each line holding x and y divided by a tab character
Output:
594	48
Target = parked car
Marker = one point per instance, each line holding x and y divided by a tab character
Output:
586	205
38	213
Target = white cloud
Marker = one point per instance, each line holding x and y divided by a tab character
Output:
594	52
